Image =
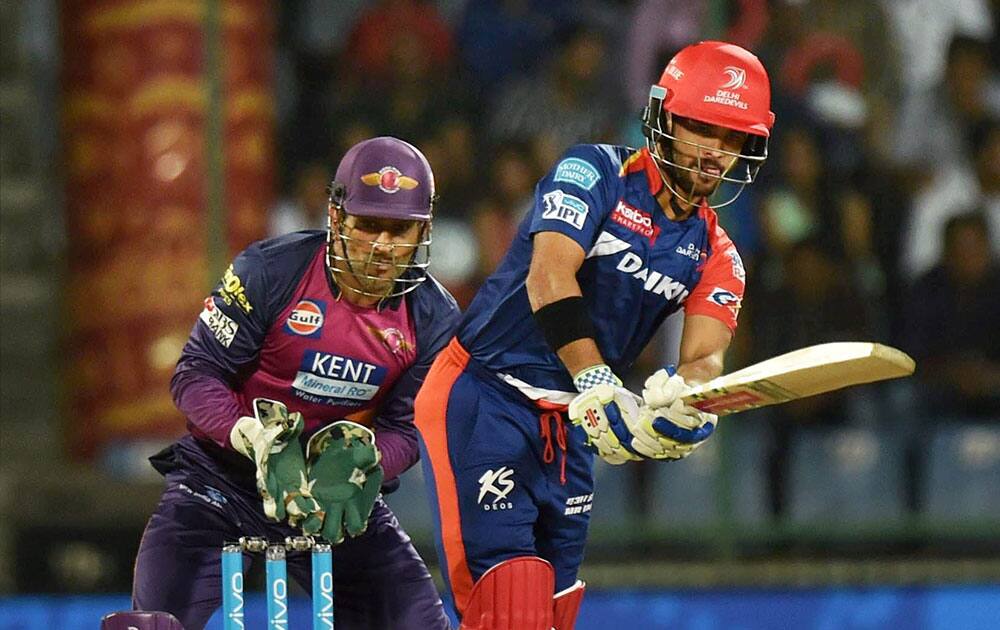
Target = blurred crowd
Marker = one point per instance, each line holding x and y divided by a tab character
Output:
877	215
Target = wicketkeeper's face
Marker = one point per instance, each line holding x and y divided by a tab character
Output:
378	250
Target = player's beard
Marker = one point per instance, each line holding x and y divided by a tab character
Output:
366	272
686	176
696	185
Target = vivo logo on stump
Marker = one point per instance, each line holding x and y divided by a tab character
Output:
306	319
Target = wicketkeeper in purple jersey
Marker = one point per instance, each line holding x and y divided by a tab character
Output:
319	338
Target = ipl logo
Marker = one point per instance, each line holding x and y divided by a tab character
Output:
737	78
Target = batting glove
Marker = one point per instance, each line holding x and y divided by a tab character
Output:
671	429
601	409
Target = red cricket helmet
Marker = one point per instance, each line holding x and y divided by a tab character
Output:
720	84
716	83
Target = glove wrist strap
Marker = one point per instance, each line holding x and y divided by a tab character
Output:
593	376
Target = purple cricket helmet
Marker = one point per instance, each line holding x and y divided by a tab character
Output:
385	177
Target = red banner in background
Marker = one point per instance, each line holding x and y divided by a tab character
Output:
135	118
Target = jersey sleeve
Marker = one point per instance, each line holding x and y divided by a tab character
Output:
436	317
224	343
719	292
574	197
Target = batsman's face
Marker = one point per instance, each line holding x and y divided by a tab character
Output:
705	153
378	250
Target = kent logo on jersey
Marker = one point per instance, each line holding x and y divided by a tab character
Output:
337	380
306	319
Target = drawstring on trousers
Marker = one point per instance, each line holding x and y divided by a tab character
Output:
549	454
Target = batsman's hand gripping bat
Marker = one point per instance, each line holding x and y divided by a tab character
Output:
805	372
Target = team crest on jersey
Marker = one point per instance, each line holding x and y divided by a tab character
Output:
577	171
722	297
564	207
306	319
393	338
637	220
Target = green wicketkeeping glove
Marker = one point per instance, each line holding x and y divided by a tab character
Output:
345	477
271	440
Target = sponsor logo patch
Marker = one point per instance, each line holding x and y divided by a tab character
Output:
211	496
691	252
637	220
566	208
580	504
634	265
739	272
233	291
499	484
337	380
576	171
306	319
222	326
652	280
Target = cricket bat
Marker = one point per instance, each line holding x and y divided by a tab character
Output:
806	372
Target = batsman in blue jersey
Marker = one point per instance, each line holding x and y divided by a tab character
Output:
514	409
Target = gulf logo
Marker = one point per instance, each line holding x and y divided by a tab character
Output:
306	318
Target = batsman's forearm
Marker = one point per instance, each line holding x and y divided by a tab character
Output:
209	404
580	355
546	287
701	370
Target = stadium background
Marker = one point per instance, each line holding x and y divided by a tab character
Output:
144	142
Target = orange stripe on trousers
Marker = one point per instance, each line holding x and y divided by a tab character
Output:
430	411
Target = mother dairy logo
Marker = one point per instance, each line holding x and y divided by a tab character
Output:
577	171
306	319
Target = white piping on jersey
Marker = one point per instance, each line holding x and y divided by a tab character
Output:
538	393
606	245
